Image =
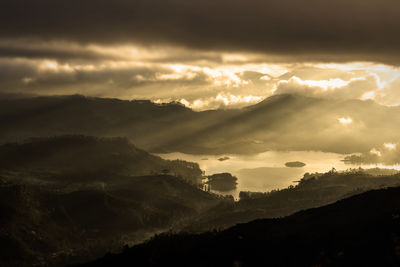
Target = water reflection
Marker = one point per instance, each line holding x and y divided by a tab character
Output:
267	171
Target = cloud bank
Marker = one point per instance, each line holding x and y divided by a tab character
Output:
208	53
341	30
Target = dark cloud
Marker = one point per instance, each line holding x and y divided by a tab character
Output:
12	73
310	30
60	53
73	51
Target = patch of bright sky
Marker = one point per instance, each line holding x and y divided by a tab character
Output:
385	72
345	120
325	84
390	146
221	100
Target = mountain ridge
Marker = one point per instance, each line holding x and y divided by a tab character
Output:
280	122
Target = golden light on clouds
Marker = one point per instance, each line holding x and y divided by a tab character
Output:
368	95
390	146
205	79
324	84
345	120
48	65
222	100
376	152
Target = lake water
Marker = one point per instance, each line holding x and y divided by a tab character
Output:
267	171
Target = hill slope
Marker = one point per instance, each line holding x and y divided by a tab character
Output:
50	225
85	156
363	230
313	190
69	199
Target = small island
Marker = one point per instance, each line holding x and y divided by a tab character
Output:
222	181
295	164
223	158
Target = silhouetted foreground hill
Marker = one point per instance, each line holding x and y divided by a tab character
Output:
289	122
313	190
73	198
363	230
46	225
86	157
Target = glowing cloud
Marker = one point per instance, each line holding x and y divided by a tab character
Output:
222	100
330	84
345	121
374	151
49	65
368	95
325	84
390	146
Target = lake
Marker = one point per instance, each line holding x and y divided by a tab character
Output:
266	171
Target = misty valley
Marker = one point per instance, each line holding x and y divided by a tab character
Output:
79	191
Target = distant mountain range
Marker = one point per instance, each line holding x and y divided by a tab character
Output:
286	122
363	230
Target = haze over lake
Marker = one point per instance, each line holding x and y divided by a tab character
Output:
266	171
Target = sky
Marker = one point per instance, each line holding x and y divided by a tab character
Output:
205	54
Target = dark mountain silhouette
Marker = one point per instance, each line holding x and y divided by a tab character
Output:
89	156
54	225
73	198
279	122
363	230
